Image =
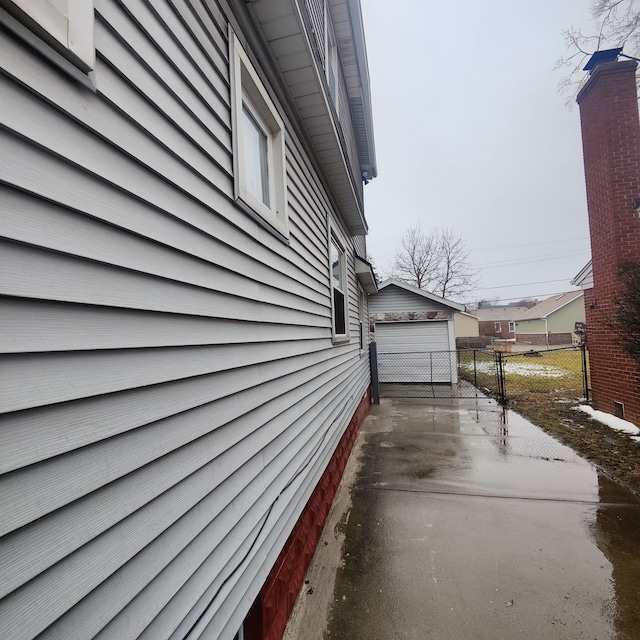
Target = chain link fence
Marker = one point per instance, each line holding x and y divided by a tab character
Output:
424	374
561	374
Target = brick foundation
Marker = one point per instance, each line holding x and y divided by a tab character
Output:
611	148
270	612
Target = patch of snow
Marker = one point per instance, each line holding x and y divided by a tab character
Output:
636	438
611	421
519	369
541	370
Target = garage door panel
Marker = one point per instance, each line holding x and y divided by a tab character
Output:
414	352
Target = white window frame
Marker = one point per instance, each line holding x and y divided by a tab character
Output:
66	25
497	327
248	91
512	326
336	240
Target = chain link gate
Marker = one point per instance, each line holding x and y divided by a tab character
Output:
562	374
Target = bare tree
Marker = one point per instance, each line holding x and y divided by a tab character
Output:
416	258
616	23
455	275
437	262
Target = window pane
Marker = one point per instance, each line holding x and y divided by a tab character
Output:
339	324
336	266
255	158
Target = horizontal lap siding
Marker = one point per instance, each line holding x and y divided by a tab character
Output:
170	392
393	298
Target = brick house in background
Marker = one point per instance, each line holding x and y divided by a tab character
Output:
499	322
611	148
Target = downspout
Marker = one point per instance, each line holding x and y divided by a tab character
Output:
546	332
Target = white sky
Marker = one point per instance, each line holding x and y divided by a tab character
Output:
471	133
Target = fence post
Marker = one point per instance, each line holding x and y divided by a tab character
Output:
373	363
502	396
475	370
585	373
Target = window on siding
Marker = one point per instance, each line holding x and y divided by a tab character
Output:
258	143
512	326
255	154
65	25
338	289
497	327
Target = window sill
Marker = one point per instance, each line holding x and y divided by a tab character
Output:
280	231
341	339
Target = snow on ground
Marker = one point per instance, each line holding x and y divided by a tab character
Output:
611	421
519	369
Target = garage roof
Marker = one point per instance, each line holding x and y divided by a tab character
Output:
420	292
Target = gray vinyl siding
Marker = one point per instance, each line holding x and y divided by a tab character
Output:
170	392
393	298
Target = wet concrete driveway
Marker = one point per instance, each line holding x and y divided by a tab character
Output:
457	521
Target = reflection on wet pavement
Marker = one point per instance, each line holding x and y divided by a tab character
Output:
459	509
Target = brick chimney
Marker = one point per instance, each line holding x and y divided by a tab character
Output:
611	148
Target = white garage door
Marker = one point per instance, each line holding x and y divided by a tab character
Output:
415	352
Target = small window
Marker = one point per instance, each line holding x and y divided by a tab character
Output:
497	327
512	326
255	154
338	289
258	143
65	25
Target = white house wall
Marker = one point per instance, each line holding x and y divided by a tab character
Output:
170	391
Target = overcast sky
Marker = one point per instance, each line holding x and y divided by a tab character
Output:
471	133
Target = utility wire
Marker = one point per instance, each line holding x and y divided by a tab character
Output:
522	284
546	256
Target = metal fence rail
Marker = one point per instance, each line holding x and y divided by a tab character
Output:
561	373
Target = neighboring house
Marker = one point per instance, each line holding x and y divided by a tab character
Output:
611	148
552	321
465	325
499	322
184	308
407	320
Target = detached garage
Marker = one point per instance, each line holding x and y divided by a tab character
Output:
414	333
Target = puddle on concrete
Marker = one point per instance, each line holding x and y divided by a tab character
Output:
456	513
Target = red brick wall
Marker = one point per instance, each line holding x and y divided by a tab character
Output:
487	328
270	612
611	148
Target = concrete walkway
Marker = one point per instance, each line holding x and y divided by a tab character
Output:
457	521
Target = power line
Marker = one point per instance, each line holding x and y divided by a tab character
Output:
522	284
531	244
525	259
535	296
